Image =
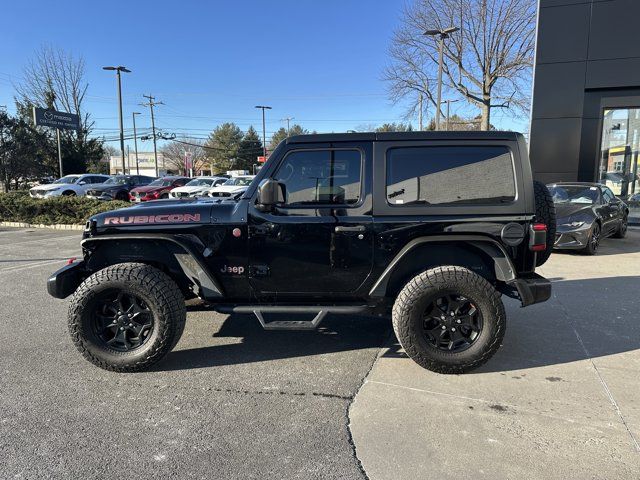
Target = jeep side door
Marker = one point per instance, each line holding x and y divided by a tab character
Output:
319	242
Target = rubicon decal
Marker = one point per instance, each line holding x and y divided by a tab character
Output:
146	219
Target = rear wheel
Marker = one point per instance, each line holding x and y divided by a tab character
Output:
594	240
545	213
449	319
164	195
126	317
622	229
69	193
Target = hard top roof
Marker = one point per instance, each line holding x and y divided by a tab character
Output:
399	136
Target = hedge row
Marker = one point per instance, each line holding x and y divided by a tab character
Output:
19	207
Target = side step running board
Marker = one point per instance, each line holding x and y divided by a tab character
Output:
320	311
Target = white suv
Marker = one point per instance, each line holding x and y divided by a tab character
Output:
69	185
231	187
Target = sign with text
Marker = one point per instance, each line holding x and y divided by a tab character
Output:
52	118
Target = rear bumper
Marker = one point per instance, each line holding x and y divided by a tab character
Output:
532	289
65	281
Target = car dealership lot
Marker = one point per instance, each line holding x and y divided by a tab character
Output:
232	401
560	400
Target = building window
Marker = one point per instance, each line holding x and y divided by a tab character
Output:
482	174
619	163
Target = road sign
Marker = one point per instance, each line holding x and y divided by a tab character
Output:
52	118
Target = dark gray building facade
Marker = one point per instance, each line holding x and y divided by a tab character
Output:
585	118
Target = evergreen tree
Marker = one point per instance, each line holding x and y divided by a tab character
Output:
250	149
222	147
281	134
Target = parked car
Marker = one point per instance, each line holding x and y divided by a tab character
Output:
69	185
231	187
323	230
585	214
157	189
117	187
196	187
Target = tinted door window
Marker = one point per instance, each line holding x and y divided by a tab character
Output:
608	195
450	175
321	177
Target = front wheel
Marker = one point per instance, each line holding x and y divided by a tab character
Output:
449	319
126	317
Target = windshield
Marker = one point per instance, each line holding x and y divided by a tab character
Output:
574	194
161	182
239	181
117	180
67	180
200	182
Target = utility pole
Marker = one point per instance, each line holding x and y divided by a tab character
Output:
287	119
420	112
151	104
118	70
441	34
264	130
135	141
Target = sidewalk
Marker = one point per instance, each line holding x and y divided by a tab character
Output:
561	399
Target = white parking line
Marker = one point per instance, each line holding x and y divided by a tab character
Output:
16	268
38	240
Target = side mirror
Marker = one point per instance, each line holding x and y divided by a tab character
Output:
270	193
82	182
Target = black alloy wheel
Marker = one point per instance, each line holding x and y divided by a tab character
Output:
622	229
121	321
452	323
594	240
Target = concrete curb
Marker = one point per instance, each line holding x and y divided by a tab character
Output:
57	226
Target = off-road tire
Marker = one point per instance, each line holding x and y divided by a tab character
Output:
545	213
621	232
410	305
161	295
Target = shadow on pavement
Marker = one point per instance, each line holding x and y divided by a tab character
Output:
584	319
337	333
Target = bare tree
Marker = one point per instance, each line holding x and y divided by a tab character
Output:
55	79
488	61
176	151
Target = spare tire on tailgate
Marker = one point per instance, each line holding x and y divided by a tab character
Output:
545	213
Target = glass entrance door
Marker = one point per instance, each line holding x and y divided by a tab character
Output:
619	152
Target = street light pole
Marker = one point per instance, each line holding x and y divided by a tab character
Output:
441	34
118	70
264	130
135	141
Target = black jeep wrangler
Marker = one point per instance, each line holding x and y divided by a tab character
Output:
432	227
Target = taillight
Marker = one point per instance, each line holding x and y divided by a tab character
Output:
538	237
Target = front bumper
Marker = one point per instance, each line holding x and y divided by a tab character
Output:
532	289
568	238
65	281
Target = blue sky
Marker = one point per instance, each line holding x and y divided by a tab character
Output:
209	62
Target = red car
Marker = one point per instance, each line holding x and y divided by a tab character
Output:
159	188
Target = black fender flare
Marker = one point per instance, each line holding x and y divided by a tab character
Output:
190	261
504	268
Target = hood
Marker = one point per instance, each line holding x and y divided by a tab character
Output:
565	210
183	212
101	187
228	188
53	186
190	189
149	188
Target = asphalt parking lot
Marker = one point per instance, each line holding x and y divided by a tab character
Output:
559	400
232	401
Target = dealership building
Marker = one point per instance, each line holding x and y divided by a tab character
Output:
585	118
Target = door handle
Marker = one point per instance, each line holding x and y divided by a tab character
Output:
356	228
